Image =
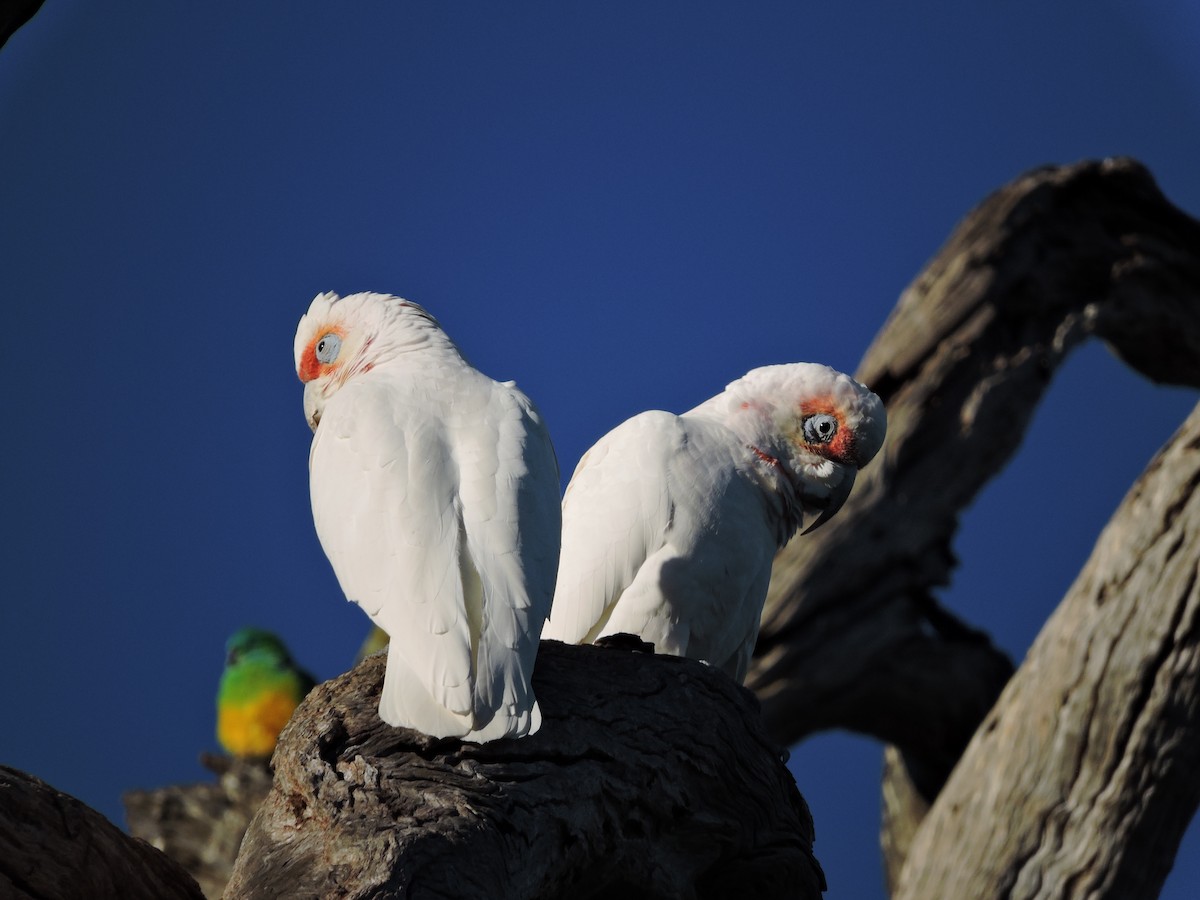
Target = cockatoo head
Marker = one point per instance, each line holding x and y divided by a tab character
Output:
341	337
817	425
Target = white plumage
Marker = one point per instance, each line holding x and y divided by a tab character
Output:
671	523
435	497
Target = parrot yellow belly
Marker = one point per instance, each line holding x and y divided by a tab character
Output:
251	728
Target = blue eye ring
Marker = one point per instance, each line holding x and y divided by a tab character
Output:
327	348
820	428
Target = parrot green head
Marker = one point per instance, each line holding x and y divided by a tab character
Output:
255	644
260	688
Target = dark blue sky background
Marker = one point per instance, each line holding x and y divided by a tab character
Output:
622	206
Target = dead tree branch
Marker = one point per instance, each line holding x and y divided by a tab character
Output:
852	637
1083	778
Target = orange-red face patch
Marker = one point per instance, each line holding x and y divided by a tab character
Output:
841	448
310	366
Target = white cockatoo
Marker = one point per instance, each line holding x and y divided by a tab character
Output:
435	495
671	523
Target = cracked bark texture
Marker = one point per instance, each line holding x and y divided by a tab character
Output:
1083	778
852	637
650	777
53	847
201	826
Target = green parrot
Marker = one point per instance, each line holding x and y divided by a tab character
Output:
260	688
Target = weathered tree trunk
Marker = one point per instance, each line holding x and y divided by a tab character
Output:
54	847
650	777
1059	255
852	636
1083	778
200	826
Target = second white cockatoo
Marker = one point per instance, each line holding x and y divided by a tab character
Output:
671	522
435	495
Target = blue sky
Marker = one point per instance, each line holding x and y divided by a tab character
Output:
621	206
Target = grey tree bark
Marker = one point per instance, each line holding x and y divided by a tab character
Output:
852	636
1081	780
650	777
201	826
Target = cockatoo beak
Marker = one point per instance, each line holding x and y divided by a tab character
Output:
314	402
835	500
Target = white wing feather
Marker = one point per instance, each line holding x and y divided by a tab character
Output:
616	513
511	521
422	532
665	537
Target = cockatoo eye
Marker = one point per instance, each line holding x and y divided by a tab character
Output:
820	428
328	347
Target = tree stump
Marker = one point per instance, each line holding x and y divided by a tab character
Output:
651	776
